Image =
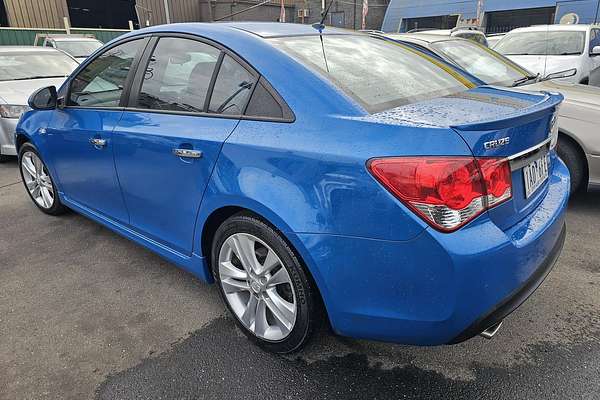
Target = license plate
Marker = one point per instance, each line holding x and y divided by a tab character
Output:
535	174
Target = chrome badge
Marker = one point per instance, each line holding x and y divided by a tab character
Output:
493	144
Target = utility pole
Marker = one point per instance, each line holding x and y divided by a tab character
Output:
167	13
354	16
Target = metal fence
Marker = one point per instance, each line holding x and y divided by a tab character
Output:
26	36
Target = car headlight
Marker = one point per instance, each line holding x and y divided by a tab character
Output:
554	129
12	110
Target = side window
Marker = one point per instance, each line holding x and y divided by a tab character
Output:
100	83
264	105
178	75
594	38
232	88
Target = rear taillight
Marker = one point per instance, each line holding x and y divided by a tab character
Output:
447	192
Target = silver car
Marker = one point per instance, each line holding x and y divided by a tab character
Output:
579	115
24	69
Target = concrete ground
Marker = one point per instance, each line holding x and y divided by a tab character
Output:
87	314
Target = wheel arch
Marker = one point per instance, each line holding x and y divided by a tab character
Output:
22	138
213	219
578	146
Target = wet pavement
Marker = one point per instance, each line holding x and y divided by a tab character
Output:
85	314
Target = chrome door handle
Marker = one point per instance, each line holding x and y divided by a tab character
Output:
187	153
98	142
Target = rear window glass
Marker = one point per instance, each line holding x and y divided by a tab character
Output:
552	43
378	74
481	62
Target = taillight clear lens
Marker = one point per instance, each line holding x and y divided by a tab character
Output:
447	192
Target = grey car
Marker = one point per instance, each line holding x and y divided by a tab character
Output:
579	115
23	70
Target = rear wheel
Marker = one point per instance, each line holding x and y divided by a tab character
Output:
572	157
264	284
37	181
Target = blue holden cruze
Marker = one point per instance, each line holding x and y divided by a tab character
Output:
313	174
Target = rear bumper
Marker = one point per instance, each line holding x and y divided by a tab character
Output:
7	136
438	288
518	297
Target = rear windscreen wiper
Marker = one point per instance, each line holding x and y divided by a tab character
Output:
525	79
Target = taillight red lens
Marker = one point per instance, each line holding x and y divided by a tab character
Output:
447	192
497	178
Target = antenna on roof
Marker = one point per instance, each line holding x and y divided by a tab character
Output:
321	25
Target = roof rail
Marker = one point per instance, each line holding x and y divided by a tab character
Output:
423	29
466	28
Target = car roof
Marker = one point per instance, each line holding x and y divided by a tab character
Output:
27	49
72	39
259	29
555	27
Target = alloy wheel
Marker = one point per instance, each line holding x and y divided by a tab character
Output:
37	180
257	287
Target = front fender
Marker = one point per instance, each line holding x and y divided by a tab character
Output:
31	128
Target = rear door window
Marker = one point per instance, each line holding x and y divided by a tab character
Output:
178	76
232	88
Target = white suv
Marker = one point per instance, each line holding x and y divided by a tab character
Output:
568	52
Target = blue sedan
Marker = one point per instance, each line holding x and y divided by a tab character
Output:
316	175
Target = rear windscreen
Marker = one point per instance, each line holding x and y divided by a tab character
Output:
376	73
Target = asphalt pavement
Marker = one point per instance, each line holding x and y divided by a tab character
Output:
85	314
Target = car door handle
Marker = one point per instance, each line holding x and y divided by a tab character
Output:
187	153
98	142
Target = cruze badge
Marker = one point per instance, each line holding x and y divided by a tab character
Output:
492	144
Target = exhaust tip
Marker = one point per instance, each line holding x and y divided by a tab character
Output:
491	331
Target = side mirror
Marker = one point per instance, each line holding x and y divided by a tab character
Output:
43	99
595	51
561	74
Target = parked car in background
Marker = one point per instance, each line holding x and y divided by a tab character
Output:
579	114
569	52
464	32
494	38
80	47
413	205
24	69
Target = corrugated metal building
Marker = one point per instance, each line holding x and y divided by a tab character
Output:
116	14
97	14
493	15
36	13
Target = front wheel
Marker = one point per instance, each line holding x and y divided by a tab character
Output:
263	284
37	181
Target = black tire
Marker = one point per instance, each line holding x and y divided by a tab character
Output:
308	313
4	158
57	207
571	155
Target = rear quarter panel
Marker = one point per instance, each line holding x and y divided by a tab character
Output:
312	176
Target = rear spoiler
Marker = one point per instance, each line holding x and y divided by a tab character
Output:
531	112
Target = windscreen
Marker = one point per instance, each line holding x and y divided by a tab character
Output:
24	65
485	64
78	48
552	43
378	74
